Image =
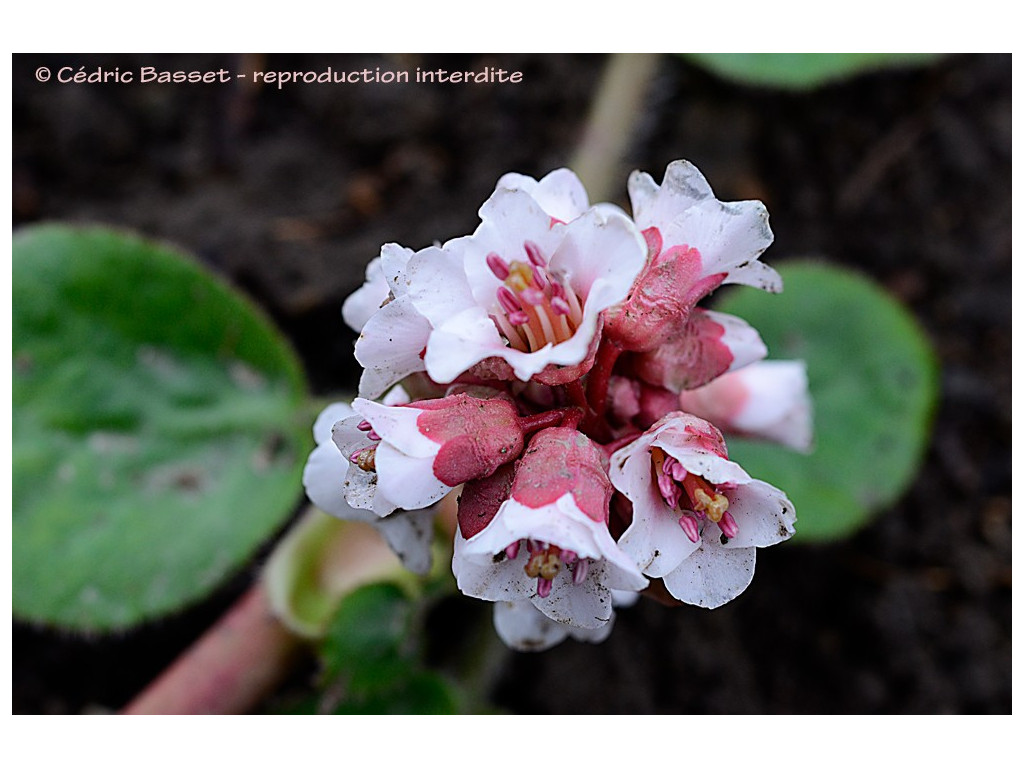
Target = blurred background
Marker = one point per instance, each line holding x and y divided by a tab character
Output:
288	193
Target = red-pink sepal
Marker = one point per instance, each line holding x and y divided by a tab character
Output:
662	297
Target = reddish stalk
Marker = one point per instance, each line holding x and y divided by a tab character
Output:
600	375
543	420
230	669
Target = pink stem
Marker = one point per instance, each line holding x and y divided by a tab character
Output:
600	375
230	669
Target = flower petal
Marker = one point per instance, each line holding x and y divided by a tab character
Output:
390	346
367	299
712	576
407	481
764	515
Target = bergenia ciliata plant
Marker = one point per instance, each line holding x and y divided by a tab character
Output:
555	366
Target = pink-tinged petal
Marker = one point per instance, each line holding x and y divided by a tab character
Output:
601	255
764	515
407	481
712	576
700	462
708	345
653	539
509	218
767	400
560	193
390	346
397	426
729	236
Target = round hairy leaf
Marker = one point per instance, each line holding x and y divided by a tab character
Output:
158	434
873	381
801	70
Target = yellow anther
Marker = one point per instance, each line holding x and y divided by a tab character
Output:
519	276
366	460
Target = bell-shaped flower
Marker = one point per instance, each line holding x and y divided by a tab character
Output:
767	400
697	517
540	533
695	243
409	533
523	296
410	456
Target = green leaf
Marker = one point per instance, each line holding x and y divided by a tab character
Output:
371	658
158	437
801	70
873	381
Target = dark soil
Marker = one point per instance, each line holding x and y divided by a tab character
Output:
903	175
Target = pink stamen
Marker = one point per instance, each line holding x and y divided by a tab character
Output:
518	318
543	587
678	472
568	556
728	525
534	255
508	300
559	306
690	528
354	457
372	434
666	466
364	426
539	281
557	291
498	266
512	550
669	491
579	573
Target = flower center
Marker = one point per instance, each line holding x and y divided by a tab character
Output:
535	306
546	560
366	458
695	499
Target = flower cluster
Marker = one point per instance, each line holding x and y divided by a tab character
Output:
555	366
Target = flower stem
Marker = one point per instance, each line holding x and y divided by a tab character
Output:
230	669
600	375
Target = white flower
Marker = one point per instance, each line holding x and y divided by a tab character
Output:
524	289
393	334
523	627
408	533
697	517
728	237
548	542
767	400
